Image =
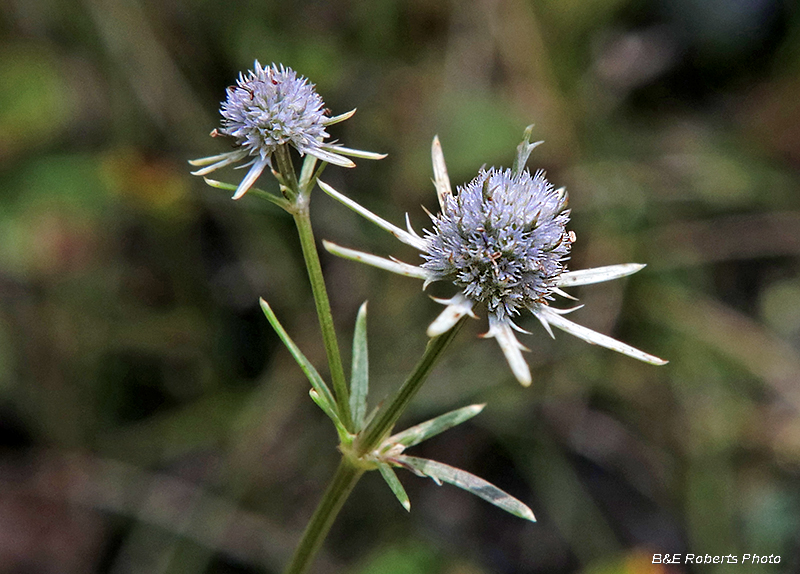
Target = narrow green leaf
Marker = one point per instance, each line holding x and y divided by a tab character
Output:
359	378
394	483
426	430
279	201
440	472
314	377
326	408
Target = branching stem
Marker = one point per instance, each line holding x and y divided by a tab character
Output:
347	475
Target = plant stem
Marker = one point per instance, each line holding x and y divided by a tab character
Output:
302	220
339	489
386	419
347	475
300	200
283	160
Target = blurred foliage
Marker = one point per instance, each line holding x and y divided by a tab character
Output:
150	421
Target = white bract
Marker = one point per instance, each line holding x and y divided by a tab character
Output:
502	241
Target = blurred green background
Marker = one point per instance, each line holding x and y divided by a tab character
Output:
150	421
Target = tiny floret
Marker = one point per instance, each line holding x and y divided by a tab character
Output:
502	241
268	108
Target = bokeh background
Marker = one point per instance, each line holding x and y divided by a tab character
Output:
151	422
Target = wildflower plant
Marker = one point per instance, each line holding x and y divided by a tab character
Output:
501	240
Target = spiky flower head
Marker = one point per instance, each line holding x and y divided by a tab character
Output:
502	241
272	106
269	108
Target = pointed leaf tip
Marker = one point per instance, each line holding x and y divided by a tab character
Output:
394	483
423	431
328	409
305	365
556	319
441	472
598	274
339	118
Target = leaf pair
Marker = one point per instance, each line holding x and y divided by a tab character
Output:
390	453
320	392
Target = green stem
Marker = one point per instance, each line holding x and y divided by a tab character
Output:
283	160
347	475
338	490
302	220
377	430
300	200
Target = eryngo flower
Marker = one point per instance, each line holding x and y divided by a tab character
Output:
272	107
502	241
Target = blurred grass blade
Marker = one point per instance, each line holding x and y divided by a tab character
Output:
359	378
314	378
394	483
426	430
440	472
326	408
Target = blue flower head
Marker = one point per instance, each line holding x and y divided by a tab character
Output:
502	241
272	107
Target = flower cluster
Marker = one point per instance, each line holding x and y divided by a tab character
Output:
502	241
272	106
269	108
